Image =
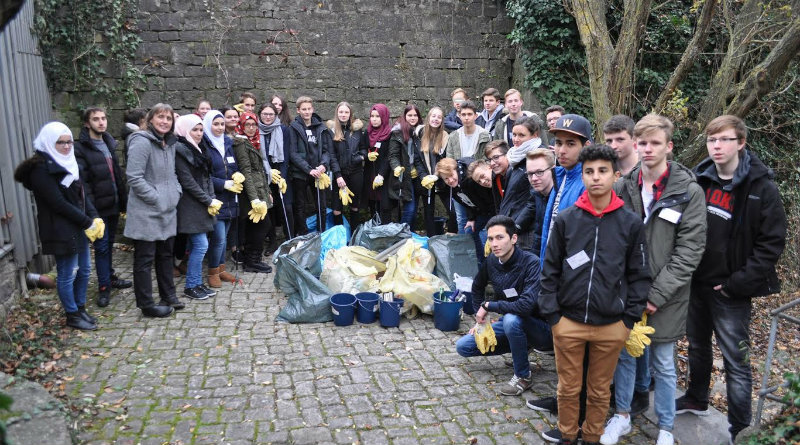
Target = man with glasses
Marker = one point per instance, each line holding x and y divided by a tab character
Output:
510	190
745	238
539	167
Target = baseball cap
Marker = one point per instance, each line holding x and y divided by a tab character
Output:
575	124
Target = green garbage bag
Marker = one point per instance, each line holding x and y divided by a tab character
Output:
297	268
453	254
377	237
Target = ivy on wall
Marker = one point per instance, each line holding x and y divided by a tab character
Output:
90	46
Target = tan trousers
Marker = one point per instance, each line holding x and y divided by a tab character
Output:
605	343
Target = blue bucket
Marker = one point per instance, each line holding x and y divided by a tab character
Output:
446	314
390	313
343	307
367	306
468	309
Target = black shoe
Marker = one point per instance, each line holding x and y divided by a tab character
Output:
258	267
210	292
551	352
554	435
545	404
237	256
103	297
173	302
85	315
157	311
75	320
640	402
119	283
195	293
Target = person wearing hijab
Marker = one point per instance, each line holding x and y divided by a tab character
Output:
63	214
274	137
227	183
153	195
254	164
350	150
403	155
197	206
377	165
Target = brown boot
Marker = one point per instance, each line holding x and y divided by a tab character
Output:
226	276
213	277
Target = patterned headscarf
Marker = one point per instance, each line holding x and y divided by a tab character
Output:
255	139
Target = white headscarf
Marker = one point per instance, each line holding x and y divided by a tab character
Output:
185	124
45	142
217	141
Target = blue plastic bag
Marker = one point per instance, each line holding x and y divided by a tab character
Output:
419	239
333	238
311	221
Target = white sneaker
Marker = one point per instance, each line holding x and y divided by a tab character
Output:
616	427
665	438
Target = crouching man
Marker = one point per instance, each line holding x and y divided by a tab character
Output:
514	275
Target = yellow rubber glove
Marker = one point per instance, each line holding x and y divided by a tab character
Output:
282	186
487	249
372	156
428	181
345	195
233	187
324	181
95	231
399	171
239	108
484	337
237	177
213	208
414	173
258	211
638	339
276	176
377	182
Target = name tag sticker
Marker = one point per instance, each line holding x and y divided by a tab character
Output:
231	159
377	145
670	215
308	132
578	260
510	293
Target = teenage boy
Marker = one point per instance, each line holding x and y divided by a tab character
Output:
552	113
572	133
452	121
513	104
510	191
594	288
492	109
514	274
469	139
746	236
248	102
618	134
539	166
95	151
310	145
667	198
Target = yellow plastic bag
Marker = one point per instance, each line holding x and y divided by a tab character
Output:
408	275
351	269
638	339
484	337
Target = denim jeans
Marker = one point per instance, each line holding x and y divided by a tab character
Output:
198	245
103	248
631	374
729	320
643	371
626	377
461	215
216	248
479	236
408	210
73	276
514	333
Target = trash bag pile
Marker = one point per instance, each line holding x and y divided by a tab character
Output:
378	258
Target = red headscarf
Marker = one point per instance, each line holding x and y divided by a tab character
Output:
254	139
379	133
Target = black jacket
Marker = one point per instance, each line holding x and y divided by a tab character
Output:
532	217
400	156
515	196
350	152
475	198
595	270
452	122
63	213
305	156
520	272
193	169
108	193
758	234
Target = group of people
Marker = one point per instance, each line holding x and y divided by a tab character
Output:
580	241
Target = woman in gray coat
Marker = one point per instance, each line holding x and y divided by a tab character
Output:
153	197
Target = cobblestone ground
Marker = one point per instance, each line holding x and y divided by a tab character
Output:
222	371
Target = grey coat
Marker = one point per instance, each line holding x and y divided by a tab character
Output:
153	188
674	249
194	174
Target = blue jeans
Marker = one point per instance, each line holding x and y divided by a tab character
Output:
409	210
73	276
461	216
631	374
643	371
103	248
514	334
216	248
626	376
729	320
198	245
479	236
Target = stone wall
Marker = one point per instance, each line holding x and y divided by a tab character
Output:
10	286
362	51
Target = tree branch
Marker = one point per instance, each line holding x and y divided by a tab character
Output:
620	85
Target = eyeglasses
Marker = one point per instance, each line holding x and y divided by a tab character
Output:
250	125
496	158
267	114
538	173
712	141
64	143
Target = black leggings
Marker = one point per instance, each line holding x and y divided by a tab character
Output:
307	200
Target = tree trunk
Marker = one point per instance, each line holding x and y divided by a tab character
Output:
620	88
690	55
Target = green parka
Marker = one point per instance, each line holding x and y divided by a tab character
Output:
675	245
251	164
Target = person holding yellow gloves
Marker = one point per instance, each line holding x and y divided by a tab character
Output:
274	137
198	205
64	213
253	163
350	143
376	168
403	155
